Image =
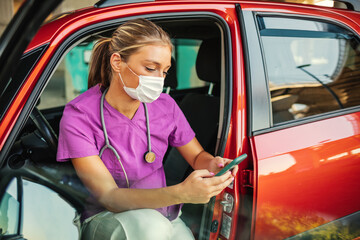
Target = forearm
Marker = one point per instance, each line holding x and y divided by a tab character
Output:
123	199
202	160
96	177
195	155
198	187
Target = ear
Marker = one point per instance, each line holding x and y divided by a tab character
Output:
115	62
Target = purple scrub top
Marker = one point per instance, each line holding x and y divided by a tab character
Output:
81	135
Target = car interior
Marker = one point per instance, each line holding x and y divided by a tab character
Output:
194	81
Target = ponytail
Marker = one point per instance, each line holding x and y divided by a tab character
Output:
126	40
100	68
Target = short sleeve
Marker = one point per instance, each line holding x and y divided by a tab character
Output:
76	138
182	132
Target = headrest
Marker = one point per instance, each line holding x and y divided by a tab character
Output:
208	61
171	78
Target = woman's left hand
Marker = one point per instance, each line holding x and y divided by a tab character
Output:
218	163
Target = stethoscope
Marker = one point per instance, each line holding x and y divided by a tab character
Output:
149	156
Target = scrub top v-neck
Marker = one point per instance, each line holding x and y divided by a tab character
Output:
136	116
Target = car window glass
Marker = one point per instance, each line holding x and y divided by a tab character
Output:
46	214
311	67
9	210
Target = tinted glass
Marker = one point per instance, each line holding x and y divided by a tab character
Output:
312	67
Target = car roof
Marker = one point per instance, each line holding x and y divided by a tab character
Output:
52	27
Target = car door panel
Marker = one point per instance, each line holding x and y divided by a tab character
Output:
303	176
305	168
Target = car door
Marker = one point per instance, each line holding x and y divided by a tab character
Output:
13	43
305	119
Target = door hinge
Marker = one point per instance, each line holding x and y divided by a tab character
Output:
247	178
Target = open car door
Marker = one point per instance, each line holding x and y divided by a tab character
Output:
14	41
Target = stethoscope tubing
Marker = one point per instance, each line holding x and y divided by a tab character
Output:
107	143
147	127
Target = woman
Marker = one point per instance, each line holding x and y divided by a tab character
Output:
117	133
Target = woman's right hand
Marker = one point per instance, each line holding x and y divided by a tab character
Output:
201	185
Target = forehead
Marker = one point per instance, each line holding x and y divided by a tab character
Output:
153	53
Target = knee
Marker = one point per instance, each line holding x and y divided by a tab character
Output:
103	228
147	224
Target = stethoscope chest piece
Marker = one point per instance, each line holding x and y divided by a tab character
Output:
149	157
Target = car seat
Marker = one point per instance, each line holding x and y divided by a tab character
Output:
171	78
202	113
201	110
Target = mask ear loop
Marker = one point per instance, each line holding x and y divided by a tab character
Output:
121	81
131	71
107	144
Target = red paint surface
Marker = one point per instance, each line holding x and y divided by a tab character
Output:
307	176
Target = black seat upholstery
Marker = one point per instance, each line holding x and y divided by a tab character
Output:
208	61
201	110
171	79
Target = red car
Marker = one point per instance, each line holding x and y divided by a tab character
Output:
277	81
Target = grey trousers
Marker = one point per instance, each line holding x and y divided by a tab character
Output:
142	224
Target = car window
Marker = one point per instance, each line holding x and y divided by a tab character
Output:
43	213
312	67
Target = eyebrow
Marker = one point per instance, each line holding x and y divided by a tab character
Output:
155	62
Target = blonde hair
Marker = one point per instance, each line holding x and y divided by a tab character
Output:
126	40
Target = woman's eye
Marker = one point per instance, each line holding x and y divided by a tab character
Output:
150	69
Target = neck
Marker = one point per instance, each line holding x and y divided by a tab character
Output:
118	99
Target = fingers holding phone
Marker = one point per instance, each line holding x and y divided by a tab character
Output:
232	165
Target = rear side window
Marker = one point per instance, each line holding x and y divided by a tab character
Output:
312	67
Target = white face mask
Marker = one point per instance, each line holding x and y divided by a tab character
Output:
148	90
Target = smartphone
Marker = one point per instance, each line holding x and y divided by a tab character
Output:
232	164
